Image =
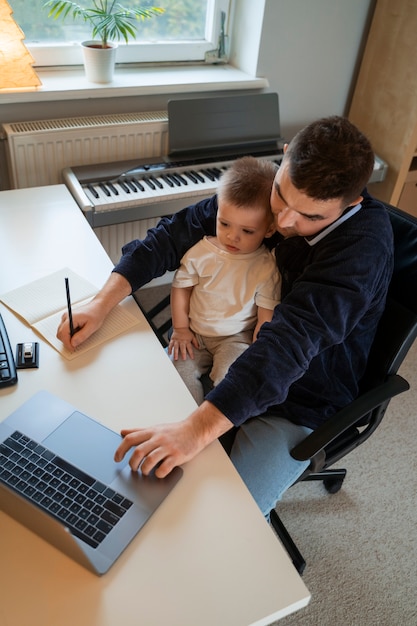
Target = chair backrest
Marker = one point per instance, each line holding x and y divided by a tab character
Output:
397	330
398	325
403	287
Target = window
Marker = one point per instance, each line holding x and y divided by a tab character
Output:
185	32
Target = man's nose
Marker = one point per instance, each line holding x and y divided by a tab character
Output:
285	218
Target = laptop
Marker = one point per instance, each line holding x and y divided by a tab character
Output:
58	478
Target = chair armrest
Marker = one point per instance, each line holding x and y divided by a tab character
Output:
348	417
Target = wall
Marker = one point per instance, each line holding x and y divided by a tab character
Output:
310	52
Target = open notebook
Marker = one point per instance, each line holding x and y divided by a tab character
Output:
42	302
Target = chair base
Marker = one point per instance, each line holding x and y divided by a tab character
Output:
288	543
332	479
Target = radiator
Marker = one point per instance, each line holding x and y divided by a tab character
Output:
38	151
115	236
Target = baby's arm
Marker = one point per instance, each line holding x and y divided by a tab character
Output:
264	315
183	338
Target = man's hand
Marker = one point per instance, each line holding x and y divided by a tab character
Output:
170	445
182	342
88	318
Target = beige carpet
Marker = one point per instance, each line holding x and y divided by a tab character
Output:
361	543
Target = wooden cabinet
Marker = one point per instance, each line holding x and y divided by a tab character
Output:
384	103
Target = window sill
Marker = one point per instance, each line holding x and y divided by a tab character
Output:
71	84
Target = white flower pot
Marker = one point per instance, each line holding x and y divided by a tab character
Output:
99	62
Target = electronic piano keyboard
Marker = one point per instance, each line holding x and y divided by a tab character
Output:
124	191
111	193
205	136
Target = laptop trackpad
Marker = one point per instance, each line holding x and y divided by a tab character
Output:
88	445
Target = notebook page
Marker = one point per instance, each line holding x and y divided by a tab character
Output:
46	296
118	321
42	302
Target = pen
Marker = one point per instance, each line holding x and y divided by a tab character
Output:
71	324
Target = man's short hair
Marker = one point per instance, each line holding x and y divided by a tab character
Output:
330	158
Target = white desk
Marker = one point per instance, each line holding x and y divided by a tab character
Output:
207	556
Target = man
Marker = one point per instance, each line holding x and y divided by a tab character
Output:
334	250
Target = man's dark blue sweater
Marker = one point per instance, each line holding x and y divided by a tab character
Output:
308	361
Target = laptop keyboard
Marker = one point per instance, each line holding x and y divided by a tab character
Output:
8	374
86	506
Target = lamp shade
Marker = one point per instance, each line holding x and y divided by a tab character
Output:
16	71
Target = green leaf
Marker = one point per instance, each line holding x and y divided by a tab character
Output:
109	20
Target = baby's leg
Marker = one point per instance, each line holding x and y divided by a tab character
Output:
225	351
191	371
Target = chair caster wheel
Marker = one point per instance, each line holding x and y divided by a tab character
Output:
333	485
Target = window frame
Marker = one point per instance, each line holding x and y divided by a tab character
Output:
70	54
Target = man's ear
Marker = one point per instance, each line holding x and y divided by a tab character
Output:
357	201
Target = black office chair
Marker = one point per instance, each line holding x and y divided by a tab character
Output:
351	426
158	316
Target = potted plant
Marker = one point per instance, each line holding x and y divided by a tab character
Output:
110	22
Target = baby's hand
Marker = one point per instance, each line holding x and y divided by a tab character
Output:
181	343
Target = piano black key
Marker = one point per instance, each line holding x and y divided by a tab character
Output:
125	186
156	182
113	188
191	176
197	175
182	180
167	180
216	172
209	175
134	187
138	184
104	189
93	191
148	182
174	179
